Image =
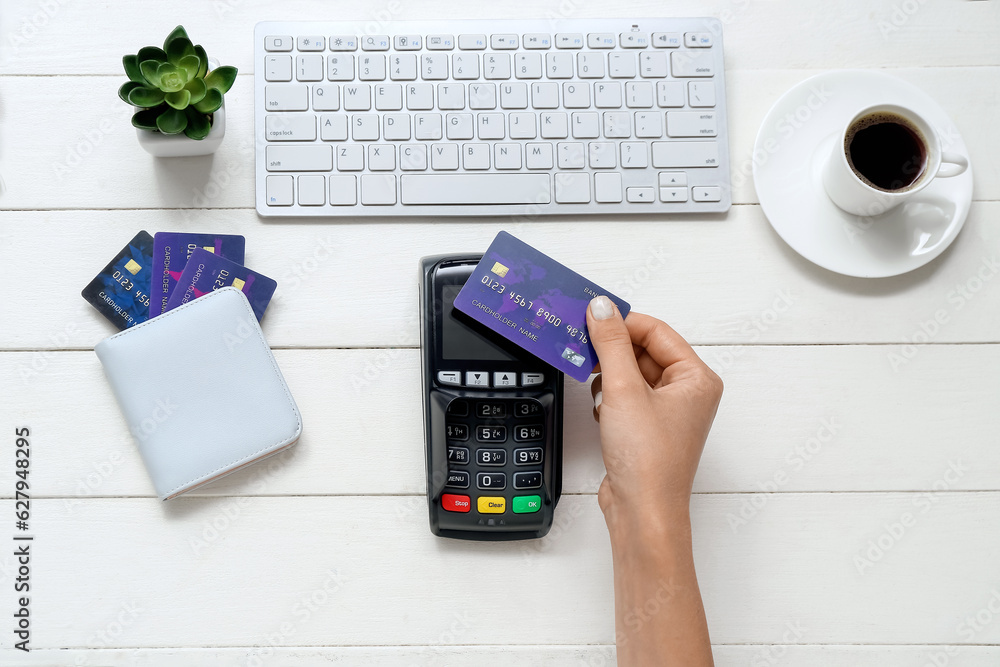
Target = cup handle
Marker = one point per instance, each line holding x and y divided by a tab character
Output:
952	164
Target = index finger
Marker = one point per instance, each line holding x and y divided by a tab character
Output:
664	345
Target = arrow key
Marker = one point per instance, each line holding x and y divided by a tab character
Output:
501	379
673	194
640	194
477	379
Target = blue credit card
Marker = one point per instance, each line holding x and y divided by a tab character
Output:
535	302
206	271
171	251
121	291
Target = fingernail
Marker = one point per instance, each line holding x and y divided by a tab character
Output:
602	308
598	397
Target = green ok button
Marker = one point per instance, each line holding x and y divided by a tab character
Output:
526	504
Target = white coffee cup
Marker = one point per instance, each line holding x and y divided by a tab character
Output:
853	191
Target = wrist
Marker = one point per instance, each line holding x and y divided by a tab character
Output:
652	527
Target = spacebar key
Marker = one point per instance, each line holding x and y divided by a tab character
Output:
475	189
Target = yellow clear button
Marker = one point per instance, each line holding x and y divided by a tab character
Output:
492	504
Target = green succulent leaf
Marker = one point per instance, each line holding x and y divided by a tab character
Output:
221	78
145	97
178	100
152	53
211	102
145	119
127	88
174	34
178	48
197	88
191	65
149	68
199	51
131	64
198	126
171	121
171	77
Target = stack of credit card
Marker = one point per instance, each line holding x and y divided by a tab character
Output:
536	303
152	275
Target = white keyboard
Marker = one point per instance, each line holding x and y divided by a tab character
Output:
509	117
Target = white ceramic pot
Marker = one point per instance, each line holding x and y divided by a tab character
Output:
180	145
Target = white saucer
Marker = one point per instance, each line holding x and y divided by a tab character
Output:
796	138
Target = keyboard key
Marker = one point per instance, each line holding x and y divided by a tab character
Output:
396	126
491	457
622	65
465	66
378	189
490	505
527	66
559	65
333	127
483	188
309	67
403	67
453	378
310	43
601	40
427	126
528	480
673	179
277	68
344	192
420	96
504	379
532	379
633	40
343	43
634	155
286	97
670	93
586	125
278	43
456	432
607	189
642	194
312	190
388	97
590	65
555	125
483	96
433	66
381	157
312	157
666	40
506	156
358	97
603	154
528	456
514	95
459	126
537	40
459	455
340	67
691	124
371	67
653	65
475	156
576	95
570	40
290	127
608	95
490	125
673	194
701	93
706	193
440	42
571	155
491	480
698	40
326	97
406	42
503	41
522	125
444	157
279	190
545	95
649	124
350	157
496	65
572	188
413	157
680	154
639	94
458	479
538	156
692	63
472	42
617	125
526	504
375	43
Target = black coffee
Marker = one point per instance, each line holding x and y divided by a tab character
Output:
886	151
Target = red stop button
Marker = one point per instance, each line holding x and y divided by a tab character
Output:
455	503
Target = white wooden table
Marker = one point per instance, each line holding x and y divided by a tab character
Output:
847	506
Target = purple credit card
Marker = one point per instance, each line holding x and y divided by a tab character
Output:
206	271
171	251
535	302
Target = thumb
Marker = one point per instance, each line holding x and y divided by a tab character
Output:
613	343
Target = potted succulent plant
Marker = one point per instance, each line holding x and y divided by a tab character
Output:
178	99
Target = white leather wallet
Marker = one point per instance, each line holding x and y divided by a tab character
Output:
201	391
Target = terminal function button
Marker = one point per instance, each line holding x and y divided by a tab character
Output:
456	431
504	379
491	410
459	479
491	433
532	379
492	457
459	455
455	503
528	456
458	408
477	379
528	433
491	480
527	408
527	480
452	378
492	505
525	504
